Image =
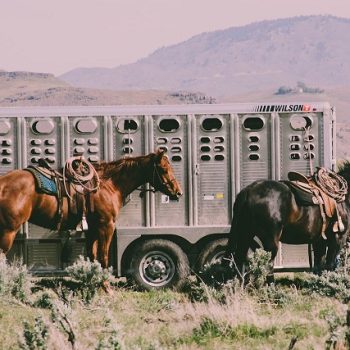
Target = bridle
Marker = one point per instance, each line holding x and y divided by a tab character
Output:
155	175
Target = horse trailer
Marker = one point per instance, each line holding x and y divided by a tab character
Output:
215	151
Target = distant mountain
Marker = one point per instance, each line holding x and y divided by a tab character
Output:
41	89
268	54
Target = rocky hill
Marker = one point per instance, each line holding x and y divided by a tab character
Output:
259	56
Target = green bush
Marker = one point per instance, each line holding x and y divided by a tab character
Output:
15	280
89	276
35	336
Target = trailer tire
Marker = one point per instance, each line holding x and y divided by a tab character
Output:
158	264
212	253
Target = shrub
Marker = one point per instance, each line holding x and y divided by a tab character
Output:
15	280
90	276
34	336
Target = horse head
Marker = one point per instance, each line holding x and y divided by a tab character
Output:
163	178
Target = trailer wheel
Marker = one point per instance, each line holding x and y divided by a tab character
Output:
212	253
158	264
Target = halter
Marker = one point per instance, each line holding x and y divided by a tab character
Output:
165	184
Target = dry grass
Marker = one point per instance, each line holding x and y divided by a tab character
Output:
168	320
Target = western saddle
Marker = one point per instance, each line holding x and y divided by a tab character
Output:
324	188
75	181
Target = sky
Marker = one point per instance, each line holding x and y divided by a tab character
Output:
55	36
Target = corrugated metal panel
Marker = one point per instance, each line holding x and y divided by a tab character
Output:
299	133
213	169
170	133
43	255
9	144
256	136
128	140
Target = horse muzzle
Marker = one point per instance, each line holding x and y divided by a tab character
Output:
176	196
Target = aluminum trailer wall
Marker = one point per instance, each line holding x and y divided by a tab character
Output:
215	150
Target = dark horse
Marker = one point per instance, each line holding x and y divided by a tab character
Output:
269	210
20	201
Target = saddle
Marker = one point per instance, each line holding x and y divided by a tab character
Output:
325	189
75	182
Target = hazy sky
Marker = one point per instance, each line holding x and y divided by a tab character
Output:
58	35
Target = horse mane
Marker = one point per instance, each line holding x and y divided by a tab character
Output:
344	170
109	169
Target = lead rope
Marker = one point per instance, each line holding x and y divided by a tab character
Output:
307	139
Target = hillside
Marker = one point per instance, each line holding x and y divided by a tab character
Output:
261	55
41	89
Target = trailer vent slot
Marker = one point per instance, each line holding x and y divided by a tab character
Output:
294	138
254	139
169	125
219	157
205	157
43	126
162	140
219	148
84	126
128	150
176	149
309	138
298	122
308	156
205	148
205	139
211	124
127	141
253	123
4	127
254	148
175	140
163	148
295	156
254	156
126	125
218	139
176	158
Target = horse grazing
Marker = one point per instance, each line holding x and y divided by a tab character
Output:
271	211
20	201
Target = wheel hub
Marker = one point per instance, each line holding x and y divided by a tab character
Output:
157	268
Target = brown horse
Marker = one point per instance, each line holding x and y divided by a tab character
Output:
21	202
270	211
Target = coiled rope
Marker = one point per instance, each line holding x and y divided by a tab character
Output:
79	171
331	183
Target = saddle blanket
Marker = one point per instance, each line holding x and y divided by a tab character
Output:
44	184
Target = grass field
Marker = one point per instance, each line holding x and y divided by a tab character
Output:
300	311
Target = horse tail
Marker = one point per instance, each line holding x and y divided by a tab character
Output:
240	222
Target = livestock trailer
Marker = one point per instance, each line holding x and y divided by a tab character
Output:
215	151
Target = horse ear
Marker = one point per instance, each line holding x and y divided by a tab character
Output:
159	155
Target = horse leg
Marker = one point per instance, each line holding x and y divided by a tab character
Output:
91	243
105	235
270	241
6	240
319	246
335	242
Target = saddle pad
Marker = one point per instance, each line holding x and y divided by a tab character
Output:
44	184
